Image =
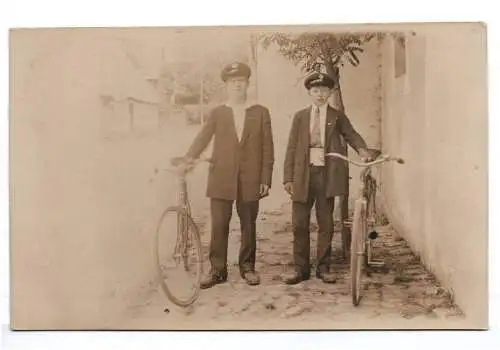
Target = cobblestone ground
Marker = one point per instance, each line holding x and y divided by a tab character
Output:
401	295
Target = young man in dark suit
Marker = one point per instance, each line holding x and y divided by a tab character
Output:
311	179
241	171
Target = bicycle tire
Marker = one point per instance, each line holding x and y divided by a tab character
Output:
357	250
182	302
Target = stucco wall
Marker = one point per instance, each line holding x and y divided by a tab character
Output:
434	116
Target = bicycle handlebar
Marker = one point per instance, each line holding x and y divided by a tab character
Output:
190	164
177	161
379	160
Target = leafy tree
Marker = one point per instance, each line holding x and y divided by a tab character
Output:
320	51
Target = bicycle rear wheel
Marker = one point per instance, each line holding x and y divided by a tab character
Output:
357	249
178	256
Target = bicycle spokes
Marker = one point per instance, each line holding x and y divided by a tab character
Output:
178	251
184	255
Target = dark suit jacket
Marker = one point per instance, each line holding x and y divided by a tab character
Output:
296	168
251	158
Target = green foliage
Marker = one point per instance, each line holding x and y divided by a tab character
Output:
314	50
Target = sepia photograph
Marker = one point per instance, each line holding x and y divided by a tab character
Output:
298	177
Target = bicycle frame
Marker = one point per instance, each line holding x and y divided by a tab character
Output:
367	197
183	202
182	198
367	194
187	236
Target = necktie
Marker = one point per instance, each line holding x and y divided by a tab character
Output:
316	130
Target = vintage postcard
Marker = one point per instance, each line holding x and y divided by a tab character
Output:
249	178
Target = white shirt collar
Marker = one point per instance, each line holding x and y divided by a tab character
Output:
245	105
321	108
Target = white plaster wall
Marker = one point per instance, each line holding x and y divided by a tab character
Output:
436	118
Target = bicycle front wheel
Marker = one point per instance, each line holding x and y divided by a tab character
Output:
357	249
178	256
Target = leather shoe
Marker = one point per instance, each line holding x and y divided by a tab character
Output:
212	279
295	277
325	275
251	277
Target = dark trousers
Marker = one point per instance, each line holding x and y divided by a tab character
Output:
221	212
301	216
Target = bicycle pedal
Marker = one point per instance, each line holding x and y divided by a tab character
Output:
376	263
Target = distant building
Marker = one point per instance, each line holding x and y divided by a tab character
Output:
129	100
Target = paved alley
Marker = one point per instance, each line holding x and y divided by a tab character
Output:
402	294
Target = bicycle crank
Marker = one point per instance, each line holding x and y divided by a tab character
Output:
376	263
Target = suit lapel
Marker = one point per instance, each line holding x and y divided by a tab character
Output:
306	128
247	124
230	122
331	119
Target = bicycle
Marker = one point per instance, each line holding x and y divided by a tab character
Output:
363	222
188	236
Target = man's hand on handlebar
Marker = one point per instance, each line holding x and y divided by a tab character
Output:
369	154
365	155
183	164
